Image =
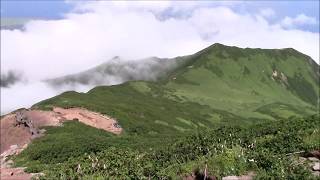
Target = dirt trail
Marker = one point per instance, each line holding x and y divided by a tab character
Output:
90	118
16	136
7	172
14	174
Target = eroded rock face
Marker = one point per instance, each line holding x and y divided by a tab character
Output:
280	77
23	125
313	160
20	127
11	134
22	118
90	118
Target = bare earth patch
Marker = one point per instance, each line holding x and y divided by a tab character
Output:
16	137
90	118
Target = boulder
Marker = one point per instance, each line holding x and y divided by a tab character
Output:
313	159
23	119
316	166
247	177
302	159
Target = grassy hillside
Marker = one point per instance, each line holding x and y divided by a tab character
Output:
240	81
206	110
218	85
264	149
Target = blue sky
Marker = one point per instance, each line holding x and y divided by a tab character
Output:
36	9
288	8
54	9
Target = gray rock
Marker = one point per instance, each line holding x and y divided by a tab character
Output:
316	166
246	177
302	159
231	178
313	159
23	119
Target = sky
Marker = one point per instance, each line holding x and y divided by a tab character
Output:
65	37
55	9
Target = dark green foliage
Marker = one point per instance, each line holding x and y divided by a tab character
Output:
183	80
263	79
227	150
61	143
304	89
236	53
245	71
268	109
274	66
215	69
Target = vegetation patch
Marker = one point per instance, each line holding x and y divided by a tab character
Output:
300	86
198	114
227	150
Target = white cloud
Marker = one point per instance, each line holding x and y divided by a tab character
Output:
24	94
268	13
299	20
51	48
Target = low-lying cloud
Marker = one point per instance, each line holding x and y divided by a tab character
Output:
95	32
299	20
116	71
10	78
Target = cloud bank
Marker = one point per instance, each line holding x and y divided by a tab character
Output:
299	20
10	78
94	32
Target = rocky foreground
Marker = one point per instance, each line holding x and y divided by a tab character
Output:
19	128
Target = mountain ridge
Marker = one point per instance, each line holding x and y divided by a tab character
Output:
249	83
224	110
72	78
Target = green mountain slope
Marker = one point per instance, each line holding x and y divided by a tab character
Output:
249	80
228	110
218	85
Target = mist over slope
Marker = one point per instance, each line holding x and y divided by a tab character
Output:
18	91
118	70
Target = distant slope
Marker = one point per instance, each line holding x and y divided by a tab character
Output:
118	70
13	23
218	85
241	80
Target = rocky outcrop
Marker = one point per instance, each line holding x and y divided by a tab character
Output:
24	120
313	160
20	127
280	77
